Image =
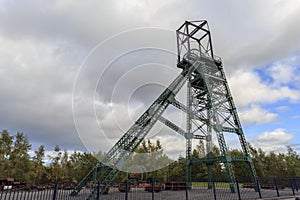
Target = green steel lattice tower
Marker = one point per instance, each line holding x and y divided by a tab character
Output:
210	110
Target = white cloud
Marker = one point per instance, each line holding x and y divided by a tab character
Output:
174	145
250	91
119	117
275	140
247	88
42	48
36	90
282	73
256	115
296	117
282	108
278	136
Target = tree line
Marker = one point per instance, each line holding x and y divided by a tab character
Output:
16	162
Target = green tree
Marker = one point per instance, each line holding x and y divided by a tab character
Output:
178	169
292	163
66	167
39	174
199	171
148	157
241	170
259	160
55	169
218	169
80	163
6	141
20	164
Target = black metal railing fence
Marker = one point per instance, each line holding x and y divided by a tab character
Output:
153	190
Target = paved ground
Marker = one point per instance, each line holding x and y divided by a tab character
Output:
282	198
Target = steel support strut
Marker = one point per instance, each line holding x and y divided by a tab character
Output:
113	162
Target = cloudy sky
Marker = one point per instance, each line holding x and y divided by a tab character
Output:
79	73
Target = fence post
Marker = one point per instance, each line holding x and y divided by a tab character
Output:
214	190
10	191
186	192
18	191
295	184
238	189
126	190
152	187
1	193
292	186
5	194
258	187
276	186
98	190
55	191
